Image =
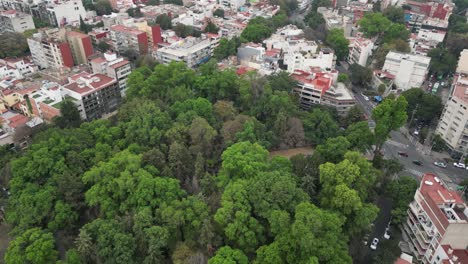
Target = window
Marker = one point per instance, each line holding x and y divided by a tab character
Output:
438	258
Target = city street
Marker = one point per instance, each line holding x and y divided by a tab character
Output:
400	142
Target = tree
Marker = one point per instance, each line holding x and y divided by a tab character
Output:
227	254
32	246
319	3
354	115
69	115
334	149
455	43
360	75
396	45
164	21
396	31
134	12
13	45
402	193
425	106
442	62
318	126
256	31
395	14
388	115
337	40
85	28
103	46
103	7
345	188
343	77
226	48
211	28
360	136
314	19
219	13
373	24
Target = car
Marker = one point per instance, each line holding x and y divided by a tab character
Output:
417	162
403	154
374	243
365	97
440	164
387	233
459	165
365	239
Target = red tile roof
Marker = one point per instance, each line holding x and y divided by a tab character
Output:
321	81
17	120
119	64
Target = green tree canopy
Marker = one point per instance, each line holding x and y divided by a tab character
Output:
373	24
337	40
32	246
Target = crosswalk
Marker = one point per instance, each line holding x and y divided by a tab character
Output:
396	144
415	172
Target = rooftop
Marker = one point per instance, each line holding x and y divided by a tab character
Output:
461	88
321	80
124	29
85	83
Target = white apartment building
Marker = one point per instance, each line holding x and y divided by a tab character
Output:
116	67
65	12
436	218
16	67
462	67
14	21
192	51
303	4
359	50
410	70
426	40
232	4
300	60
453	124
49	52
318	87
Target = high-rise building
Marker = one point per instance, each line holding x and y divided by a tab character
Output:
410	70
437	222
14	21
50	52
112	65
94	94
127	38
80	46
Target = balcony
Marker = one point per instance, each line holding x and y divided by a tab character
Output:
423	237
414	240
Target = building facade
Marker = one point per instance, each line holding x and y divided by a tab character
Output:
126	38
359	51
14	21
94	94
49	52
436	218
453	123
192	51
410	70
113	66
80	46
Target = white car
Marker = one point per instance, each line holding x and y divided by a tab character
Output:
459	165
387	234
440	164
365	97
374	243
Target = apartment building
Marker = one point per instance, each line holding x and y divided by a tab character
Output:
425	40
301	60
94	94
126	38
63	13
17	68
113	66
14	21
192	51
152	32
80	46
50	51
462	67
453	123
232	4
46	101
318	87
437	223
410	70
359	50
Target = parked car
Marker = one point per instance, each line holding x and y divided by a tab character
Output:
403	154
374	243
387	233
459	165
365	97
365	239
440	164
417	162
